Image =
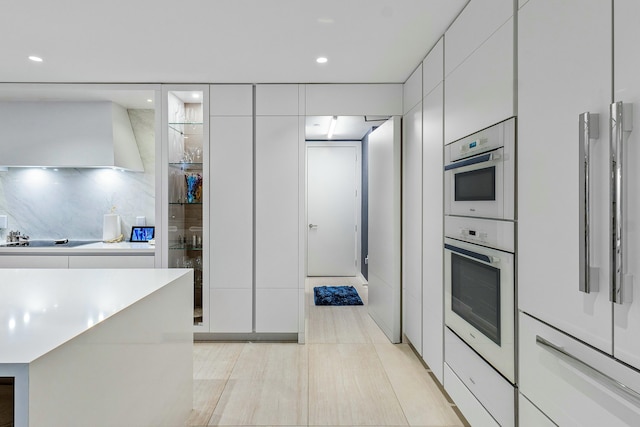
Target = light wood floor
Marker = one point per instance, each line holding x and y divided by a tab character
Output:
347	374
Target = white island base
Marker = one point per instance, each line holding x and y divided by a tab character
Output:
98	347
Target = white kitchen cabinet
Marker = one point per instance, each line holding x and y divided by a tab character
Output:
564	69
472	409
530	416
480	91
111	261
412	224
432	231
231	100
277	100
231	310
412	90
488	387
432	68
627	90
475	24
277	225
560	375
277	310
231	256
353	99
34	261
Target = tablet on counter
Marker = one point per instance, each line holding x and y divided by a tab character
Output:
142	233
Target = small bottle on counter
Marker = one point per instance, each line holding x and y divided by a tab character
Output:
193	240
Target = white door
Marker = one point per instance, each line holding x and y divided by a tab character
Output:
627	90
331	210
564	69
384	227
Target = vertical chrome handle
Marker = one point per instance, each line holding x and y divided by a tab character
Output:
588	129
620	122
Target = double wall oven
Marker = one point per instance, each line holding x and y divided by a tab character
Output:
479	244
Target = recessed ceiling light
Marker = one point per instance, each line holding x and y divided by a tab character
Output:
35	58
196	95
149	100
321	60
326	20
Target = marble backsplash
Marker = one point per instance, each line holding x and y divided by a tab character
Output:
70	203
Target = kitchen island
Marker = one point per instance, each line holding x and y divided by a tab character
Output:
98	347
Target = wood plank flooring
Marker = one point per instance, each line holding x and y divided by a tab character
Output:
348	374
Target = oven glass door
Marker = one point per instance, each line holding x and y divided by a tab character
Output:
475	185
475	294
479	287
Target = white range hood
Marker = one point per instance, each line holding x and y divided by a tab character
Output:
67	134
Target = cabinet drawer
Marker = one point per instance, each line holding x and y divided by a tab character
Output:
530	416
34	261
472	410
570	391
495	393
111	261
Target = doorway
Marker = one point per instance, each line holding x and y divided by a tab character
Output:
329	174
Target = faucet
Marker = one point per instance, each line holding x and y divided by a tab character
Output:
16	237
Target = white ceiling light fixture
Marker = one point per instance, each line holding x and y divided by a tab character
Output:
35	58
332	126
196	95
321	60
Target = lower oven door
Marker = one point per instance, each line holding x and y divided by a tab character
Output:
479	301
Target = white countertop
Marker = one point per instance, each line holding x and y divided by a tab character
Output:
98	248
42	309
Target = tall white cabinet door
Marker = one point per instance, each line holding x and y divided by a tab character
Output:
276	223
627	89
432	232
384	228
231	224
564	69
412	226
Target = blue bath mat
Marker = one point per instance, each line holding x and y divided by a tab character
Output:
336	295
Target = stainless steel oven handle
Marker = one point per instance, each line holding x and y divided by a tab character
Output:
620	122
474	161
482	257
586	368
588	130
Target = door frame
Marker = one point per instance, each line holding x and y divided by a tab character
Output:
358	146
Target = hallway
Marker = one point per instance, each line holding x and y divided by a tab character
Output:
346	374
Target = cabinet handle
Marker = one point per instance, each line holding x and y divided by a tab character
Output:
620	122
586	368
473	161
313	226
589	129
482	257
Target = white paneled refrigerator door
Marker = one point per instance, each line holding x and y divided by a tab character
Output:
564	67
627	91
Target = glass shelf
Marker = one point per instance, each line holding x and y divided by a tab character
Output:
182	128
186	165
183	247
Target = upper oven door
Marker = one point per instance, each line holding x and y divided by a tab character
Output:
479	301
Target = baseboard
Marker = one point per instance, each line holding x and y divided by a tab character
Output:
246	337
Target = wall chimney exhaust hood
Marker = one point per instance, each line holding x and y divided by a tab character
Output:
67	134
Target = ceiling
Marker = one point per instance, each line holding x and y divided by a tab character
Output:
219	41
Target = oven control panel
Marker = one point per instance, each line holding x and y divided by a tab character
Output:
480	142
486	232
